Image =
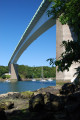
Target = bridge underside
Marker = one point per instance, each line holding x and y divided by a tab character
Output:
39	24
63	32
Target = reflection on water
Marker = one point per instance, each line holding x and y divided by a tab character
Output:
13	86
23	86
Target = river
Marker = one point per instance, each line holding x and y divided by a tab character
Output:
20	86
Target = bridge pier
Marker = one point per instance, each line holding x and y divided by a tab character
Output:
14	72
64	32
38	25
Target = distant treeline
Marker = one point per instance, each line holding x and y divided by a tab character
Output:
35	72
31	72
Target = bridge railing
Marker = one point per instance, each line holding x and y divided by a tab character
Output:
43	6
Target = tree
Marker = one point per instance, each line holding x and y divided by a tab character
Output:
6	76
3	69
68	12
35	72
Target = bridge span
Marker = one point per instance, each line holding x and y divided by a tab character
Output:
38	25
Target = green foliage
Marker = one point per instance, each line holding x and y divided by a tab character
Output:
6	76
68	12
51	61
27	94
35	72
70	55
29	72
3	69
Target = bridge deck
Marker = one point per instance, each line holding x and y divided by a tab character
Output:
43	6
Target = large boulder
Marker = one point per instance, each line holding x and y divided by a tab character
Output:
47	102
72	106
56	106
73	111
52	102
67	88
36	103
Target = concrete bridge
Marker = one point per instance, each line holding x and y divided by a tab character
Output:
38	25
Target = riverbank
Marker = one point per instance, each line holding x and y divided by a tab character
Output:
24	97
53	103
27	79
16	104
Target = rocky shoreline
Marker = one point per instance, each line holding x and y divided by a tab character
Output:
53	103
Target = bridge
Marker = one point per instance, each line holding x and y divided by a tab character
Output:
38	25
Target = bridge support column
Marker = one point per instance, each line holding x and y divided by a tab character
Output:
14	72
63	32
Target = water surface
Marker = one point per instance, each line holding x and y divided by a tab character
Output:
24	86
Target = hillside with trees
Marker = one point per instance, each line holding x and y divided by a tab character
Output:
30	72
35	72
3	70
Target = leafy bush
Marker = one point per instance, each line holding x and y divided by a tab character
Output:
6	76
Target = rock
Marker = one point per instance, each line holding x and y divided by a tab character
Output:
73	111
51	89
60	115
36	103
72	106
56	106
14	95
7	105
47	97
27	94
67	88
2	115
10	95
49	101
76	96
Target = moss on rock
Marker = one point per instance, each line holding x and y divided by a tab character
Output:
27	94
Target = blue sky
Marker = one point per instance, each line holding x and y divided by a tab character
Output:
15	16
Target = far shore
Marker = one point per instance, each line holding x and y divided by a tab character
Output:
27	79
59	82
